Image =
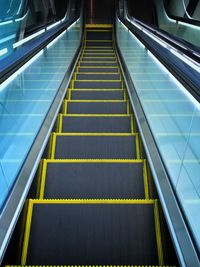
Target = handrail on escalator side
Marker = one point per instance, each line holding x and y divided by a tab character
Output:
183	72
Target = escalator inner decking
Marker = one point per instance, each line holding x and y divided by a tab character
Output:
94	180
92	234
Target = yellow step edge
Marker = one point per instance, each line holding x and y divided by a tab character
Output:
100	67
158	234
134	161
96	101
32	202
115	61
90	266
45	163
96	115
98	26
96	134
86	47
114	57
92	30
103	73
96	90
110	81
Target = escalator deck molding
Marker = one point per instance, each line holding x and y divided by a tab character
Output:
32	202
44	163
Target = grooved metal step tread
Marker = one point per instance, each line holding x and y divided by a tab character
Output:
96	234
98	84
98	59
87	54
84	180
94	146
93	69
98	44
99	48
97	35
96	108
98	64
97	95
99	76
96	124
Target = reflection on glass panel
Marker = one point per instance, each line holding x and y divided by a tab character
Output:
25	101
20	19
174	118
183	8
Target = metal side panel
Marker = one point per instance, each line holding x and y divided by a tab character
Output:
96	124
92	234
88	180
95	147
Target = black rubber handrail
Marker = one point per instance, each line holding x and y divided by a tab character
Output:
12	63
182	19
180	69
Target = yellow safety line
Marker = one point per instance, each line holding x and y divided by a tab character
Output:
69	94
50	146
137	146
97	89
43	179
53	148
96	61
99	115
133	130
98	30
133	161
88	266
66	106
110	81
125	95
27	232
39	178
102	73
89	134
95	101
94	201
158	234
145	177
128	107
60	122
89	26
98	67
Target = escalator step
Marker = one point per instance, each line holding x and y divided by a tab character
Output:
112	70
98	43
98	48
102	124
98	59
98	84
96	107
92	180
95	54
98	35
98	76
97	95
79	146
91	233
98	64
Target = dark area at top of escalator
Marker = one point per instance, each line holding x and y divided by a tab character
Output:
100	11
143	10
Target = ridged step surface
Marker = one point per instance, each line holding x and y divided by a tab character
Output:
96	234
93	69
97	84
97	95
97	107
96	124
92	180
98	76
95	147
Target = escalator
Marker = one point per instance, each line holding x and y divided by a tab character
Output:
94	204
